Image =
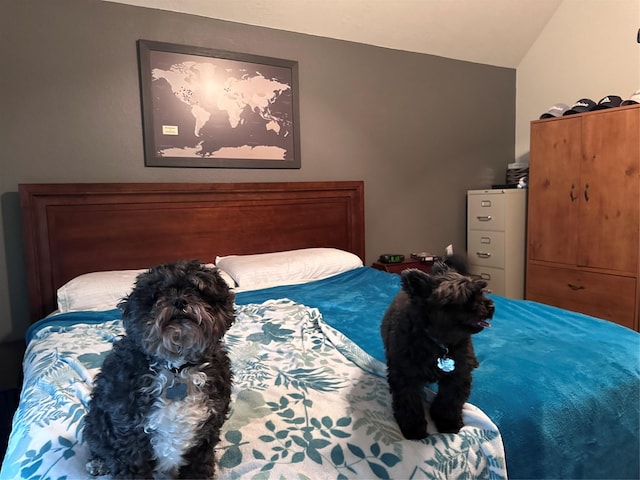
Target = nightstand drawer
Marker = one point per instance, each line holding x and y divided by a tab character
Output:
486	248
486	211
495	278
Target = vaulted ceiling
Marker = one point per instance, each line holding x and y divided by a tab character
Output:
492	32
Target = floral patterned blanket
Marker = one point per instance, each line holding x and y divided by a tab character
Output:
307	403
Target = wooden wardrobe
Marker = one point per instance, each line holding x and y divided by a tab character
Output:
583	213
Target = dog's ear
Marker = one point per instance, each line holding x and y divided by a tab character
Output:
458	262
141	297
480	284
416	283
126	314
217	291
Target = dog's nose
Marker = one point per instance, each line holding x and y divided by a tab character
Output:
179	303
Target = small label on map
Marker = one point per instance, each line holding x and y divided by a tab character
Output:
169	129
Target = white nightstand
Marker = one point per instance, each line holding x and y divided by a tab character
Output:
496	221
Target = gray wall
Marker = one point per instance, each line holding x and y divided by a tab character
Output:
419	130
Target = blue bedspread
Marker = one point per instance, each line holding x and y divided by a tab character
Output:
563	388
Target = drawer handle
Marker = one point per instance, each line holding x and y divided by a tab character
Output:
575	287
483	254
484	218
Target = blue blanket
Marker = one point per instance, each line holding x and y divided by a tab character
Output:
562	387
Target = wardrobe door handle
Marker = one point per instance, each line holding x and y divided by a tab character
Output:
575	287
586	192
571	195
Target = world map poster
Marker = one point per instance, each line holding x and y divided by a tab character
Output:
218	109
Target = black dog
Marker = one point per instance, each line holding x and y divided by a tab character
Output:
164	390
426	333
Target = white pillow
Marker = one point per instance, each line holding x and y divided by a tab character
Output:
96	290
104	290
265	270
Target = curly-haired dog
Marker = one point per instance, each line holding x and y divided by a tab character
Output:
164	390
426	333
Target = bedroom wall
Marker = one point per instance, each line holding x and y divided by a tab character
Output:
587	49
419	130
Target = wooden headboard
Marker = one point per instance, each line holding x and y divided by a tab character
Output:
70	229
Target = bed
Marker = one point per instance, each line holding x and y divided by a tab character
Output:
556	395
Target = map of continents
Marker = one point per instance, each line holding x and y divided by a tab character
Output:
221	108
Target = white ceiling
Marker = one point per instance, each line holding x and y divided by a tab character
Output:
492	32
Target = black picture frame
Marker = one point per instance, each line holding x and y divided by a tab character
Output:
203	107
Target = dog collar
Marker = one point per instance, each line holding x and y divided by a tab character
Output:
443	362
177	370
156	363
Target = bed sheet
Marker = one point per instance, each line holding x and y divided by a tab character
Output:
562	387
300	407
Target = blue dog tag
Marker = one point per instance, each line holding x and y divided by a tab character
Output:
446	364
177	391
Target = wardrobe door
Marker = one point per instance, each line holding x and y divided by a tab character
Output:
610	191
554	189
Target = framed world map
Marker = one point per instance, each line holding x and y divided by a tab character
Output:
212	108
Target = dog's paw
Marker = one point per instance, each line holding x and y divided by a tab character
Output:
447	423
448	426
414	433
446	417
412	429
96	467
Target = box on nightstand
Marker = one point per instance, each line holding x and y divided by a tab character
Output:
405	264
